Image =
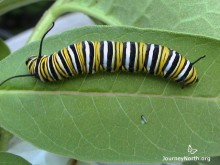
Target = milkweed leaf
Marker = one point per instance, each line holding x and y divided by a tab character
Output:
98	117
11	159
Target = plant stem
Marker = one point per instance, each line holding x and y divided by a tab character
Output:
59	8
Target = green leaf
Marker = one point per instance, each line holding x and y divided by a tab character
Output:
11	159
194	17
98	117
5	136
4	49
8	5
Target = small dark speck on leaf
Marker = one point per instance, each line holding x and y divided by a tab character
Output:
143	119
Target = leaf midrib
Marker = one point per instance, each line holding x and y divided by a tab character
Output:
113	94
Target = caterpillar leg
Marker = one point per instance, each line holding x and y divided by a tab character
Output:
183	85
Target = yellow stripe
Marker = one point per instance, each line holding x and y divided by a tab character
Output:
33	66
30	66
68	60
119	53
158	60
193	77
80	56
46	69
96	61
119	65
190	74
57	67
179	67
142	56
42	71
165	55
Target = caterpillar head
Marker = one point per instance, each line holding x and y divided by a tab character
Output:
190	76
35	66
31	64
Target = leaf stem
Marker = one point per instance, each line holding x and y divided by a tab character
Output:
58	9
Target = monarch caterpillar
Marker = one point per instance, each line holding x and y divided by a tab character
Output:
90	57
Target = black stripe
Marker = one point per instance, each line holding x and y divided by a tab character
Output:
54	75
76	59
64	63
168	59
186	73
59	68
124	54
36	68
146	56
44	65
181	70
101	51
132	56
109	56
154	59
173	66
84	53
91	56
191	75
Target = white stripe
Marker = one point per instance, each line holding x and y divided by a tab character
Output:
72	58
128	51
170	62
175	69
105	55
150	57
87	56
184	70
113	55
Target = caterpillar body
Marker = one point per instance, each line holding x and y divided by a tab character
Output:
88	57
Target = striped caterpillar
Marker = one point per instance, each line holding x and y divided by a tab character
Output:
88	57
